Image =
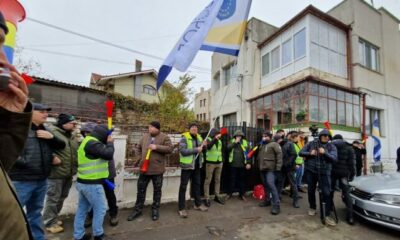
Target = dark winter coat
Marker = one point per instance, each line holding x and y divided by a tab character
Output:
67	155
35	162
346	160
158	157
289	156
14	128
319	163
269	157
359	153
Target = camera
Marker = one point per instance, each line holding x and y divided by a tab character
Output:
314	130
4	79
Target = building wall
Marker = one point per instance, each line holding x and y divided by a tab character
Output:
228	99
379	28
124	86
201	108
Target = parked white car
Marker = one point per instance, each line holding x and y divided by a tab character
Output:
376	198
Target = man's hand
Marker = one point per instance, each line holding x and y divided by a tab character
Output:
248	166
44	134
110	139
321	150
218	136
199	149
15	98
313	152
152	146
204	143
56	161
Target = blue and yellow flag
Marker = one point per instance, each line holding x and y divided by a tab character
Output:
218	28
375	136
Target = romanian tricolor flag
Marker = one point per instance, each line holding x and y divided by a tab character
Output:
13	13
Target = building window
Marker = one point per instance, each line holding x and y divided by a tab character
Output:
229	120
204	117
275	58
201	103
368	55
287	52
307	102
300	44
216	82
197	117
230	73
265	64
204	103
149	90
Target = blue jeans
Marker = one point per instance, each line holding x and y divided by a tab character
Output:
299	175
269	179
31	195
90	196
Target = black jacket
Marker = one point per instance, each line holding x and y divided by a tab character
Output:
289	155
35	162
320	163
359	153
346	164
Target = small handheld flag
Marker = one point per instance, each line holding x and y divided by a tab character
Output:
109	107
328	126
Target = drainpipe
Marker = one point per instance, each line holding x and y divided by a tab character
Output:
349	58
364	135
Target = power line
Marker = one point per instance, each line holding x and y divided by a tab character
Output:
91	58
105	42
95	43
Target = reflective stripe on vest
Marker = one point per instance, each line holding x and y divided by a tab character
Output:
299	160
91	169
189	145
214	154
243	145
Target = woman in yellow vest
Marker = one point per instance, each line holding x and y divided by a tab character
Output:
93	155
238	148
191	147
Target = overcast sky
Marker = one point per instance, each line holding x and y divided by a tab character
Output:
148	26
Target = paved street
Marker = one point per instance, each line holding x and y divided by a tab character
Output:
238	220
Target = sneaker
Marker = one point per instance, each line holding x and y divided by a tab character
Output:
113	221
312	212
55	229
135	214
243	198
264	203
296	203
60	223
155	215
183	213
219	200
207	202
87	236
330	221
275	209
302	190
201	208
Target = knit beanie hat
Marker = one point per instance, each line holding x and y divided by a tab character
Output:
156	124
64	118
